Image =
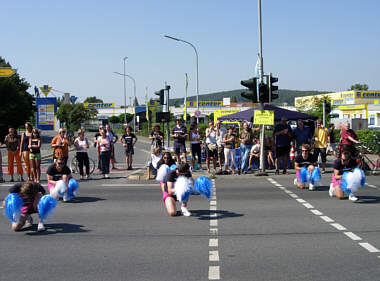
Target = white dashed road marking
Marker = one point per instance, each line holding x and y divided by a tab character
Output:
353	236
370	248
213	273
338	226
327	219
214	268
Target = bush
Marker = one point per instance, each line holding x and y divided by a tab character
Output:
369	138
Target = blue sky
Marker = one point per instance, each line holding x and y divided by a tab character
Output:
75	46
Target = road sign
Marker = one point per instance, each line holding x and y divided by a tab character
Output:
7	71
263	117
197	113
45	89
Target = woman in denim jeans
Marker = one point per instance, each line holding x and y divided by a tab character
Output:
246	140
105	147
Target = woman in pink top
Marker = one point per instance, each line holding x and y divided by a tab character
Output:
105	148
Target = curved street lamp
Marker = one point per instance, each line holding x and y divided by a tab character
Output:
196	62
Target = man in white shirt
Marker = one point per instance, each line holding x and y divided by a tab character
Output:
220	132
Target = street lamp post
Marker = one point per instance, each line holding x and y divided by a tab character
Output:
125	95
134	94
196	63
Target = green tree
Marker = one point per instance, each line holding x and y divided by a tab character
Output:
75	114
211	117
317	108
114	119
16	105
359	87
93	100
129	117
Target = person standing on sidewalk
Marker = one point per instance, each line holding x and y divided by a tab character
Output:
282	136
321	135
195	146
302	135
105	147
61	145
1	165
81	146
157	138
229	140
332	140
179	134
12	141
35	154
113	137
220	132
246	141
98	134
128	141
24	149
211	146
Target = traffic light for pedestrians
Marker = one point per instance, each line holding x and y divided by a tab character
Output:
251	94
272	88
161	94
263	93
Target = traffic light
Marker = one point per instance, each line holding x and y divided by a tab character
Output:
251	94
327	107
263	93
161	94
272	88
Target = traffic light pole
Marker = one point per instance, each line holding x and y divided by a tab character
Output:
261	104
167	88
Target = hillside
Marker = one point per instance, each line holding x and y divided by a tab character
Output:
285	96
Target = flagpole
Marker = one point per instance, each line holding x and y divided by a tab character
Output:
147	108
185	102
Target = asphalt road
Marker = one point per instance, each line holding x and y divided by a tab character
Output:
254	228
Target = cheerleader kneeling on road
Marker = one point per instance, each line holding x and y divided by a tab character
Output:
23	201
347	178
306	169
177	187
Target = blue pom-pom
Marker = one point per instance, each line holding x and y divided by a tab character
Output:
315	176
13	204
304	175
344	184
72	188
46	205
203	185
173	167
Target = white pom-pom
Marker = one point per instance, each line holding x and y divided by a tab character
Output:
182	188
354	181
162	172
59	189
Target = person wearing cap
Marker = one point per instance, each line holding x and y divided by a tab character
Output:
179	134
282	138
